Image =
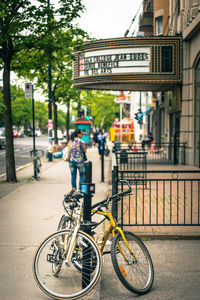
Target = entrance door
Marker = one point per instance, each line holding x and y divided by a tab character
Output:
197	116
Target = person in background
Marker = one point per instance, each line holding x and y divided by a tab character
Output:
95	138
147	141
101	137
76	161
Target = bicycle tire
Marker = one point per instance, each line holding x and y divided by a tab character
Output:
61	287
129	272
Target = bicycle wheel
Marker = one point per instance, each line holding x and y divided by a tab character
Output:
135	273
70	283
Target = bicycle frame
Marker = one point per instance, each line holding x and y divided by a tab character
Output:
70	244
35	155
113	228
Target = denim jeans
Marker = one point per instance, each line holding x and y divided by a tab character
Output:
74	165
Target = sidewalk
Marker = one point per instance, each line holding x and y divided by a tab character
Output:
30	210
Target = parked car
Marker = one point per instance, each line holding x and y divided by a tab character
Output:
20	133
37	132
29	132
15	133
2	138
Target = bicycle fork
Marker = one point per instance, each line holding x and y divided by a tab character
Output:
70	245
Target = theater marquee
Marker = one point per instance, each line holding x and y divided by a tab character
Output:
129	64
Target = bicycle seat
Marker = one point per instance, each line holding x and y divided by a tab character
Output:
77	195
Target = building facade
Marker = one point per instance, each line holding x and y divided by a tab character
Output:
176	113
185	20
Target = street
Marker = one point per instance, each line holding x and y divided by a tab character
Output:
22	147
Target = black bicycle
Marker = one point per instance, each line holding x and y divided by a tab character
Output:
37	164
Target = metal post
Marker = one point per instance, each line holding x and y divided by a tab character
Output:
87	197
102	159
87	219
115	191
33	116
50	122
120	123
175	148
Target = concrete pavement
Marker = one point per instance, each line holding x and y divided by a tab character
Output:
30	210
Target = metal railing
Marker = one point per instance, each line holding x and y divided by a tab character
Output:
163	198
156	153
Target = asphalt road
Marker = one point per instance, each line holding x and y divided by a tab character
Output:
22	147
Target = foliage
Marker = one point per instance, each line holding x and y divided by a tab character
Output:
22	110
28	25
41	115
61	119
102	106
33	65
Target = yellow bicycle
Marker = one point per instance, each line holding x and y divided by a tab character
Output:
130	257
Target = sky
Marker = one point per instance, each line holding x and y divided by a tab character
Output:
108	18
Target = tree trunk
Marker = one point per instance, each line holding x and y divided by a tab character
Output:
10	159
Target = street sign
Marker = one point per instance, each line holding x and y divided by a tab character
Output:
121	99
28	90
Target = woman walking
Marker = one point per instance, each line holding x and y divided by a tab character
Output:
76	159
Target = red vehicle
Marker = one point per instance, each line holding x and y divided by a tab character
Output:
15	133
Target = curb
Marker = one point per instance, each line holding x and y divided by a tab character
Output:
18	169
174	237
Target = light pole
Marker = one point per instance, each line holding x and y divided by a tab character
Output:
50	122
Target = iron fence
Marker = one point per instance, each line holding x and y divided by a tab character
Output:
156	153
163	198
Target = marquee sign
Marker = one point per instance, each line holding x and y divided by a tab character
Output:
114	61
149	63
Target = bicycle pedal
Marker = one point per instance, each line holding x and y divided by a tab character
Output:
51	258
106	252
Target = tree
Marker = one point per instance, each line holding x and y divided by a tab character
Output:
61	68
102	107
41	115
33	18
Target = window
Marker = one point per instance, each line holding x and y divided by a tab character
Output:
159	26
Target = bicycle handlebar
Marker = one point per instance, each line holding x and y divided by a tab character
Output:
116	196
122	193
35	152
